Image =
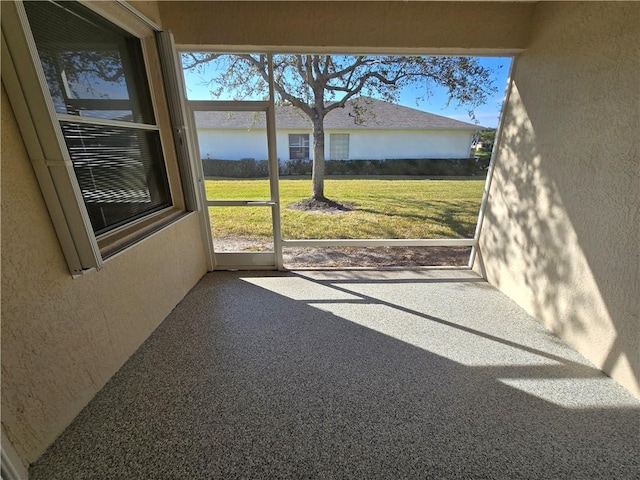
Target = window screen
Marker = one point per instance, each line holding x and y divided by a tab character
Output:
339	146
96	78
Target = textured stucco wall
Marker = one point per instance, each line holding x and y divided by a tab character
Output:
63	338
444	26
561	234
147	8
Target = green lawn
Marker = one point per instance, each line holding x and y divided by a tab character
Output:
383	208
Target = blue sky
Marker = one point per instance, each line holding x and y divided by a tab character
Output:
487	115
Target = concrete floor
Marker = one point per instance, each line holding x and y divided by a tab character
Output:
351	374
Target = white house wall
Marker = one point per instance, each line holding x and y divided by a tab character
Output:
363	145
382	144
232	144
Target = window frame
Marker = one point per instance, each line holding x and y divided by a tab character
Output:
304	144
40	128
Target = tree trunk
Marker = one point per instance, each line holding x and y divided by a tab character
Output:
317	173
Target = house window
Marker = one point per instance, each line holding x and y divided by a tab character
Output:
339	146
96	78
89	99
299	146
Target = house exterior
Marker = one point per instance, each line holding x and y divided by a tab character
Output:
383	131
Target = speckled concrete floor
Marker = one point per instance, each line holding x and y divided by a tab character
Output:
351	374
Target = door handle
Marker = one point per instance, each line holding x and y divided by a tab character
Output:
264	202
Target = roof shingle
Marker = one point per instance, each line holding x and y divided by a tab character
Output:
379	115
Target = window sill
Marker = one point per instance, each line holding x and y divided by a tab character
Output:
122	238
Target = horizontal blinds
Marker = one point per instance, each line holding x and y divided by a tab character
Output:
117	171
95	73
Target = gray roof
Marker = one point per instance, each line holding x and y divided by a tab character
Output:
378	115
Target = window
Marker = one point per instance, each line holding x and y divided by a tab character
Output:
82	92
299	146
339	146
96	78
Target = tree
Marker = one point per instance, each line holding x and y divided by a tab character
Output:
487	138
319	84
484	147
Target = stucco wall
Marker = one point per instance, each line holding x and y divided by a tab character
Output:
237	144
63	338
438	26
147	8
561	233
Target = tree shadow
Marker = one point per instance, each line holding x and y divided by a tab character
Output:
448	214
540	242
274	375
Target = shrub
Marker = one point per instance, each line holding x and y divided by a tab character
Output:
252	168
245	168
295	167
404	166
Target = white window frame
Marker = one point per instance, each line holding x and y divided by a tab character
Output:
24	80
339	145
303	144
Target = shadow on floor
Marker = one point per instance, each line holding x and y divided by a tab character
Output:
351	375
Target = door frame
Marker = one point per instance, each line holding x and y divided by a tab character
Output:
254	260
279	242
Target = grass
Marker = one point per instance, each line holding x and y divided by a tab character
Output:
382	208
